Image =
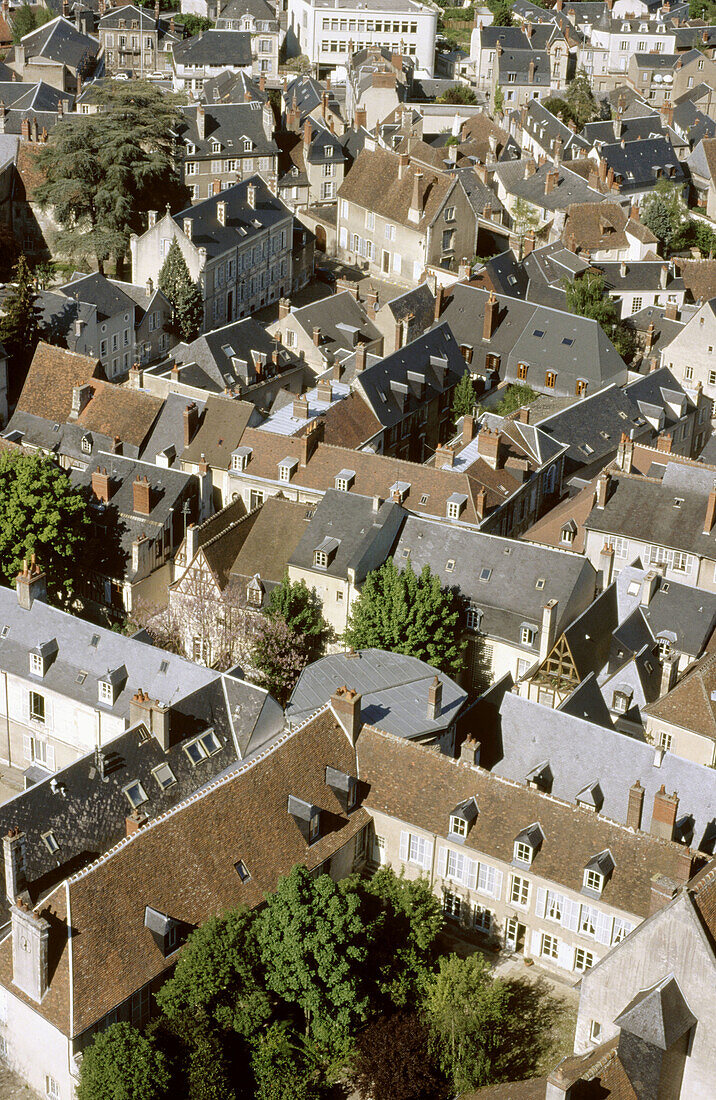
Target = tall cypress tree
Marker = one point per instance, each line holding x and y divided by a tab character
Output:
20	326
182	292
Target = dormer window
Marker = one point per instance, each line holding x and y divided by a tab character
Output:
37	665
594	881
328	151
307	817
455	504
164	930
621	701
344	480
246	145
87	444
568	532
255	592
461	819
344	786
286	468
523	852
240	458
325	552
314	827
528	635
527	844
190	147
106	692
458	826
216	146
597	871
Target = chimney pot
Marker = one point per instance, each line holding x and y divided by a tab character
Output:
635	806
346	705
470	752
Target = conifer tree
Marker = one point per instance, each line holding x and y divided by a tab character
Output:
183	293
464	397
19	325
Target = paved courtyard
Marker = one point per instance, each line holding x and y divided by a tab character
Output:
12	1088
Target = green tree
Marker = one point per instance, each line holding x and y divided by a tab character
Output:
218	977
525	219
26	19
586	296
121	1064
464	397
183	293
580	100
298	606
467	1012
20	325
315	948
194	24
280	1070
103	172
559	108
664	212
42	512
405	613
459	93
499	100
393	1061
207	1071
515	397
291	634
502	13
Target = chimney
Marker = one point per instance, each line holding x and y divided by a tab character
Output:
672	312
531	73
488	446
262	82
468	428
550	181
663	819
360	356
650	334
669	671
191	422
310	440
30	954
403	162
152	714
300	408
30	584
142	496
603	483
549	626
530	167
664	276
415	211
439	300
284	308
710	510
134	822
435	699
25	129
324	104
346	705
635	806
650	585
14	847
251	195
316	335
489	323
606	564
444	457
307	132
101	484
529	243
663	444
221	212
481	504
201	121
523	415
470	752
361	117
324	390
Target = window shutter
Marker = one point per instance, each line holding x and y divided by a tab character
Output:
428	855
51	757
497	890
396	263
604	928
25	696
570	914
404	841
536	943
541	902
565	955
471	874
442	862
343	237
27	746
48	711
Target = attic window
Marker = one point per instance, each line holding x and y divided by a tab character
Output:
87	444
80	678
242	870
620	702
568	341
678	501
485	574
164	666
106	691
5	631
50	842
424	498
539	585
37	667
450	565
164	776
210	742
135	793
539	333
94	641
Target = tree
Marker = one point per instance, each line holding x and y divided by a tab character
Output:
194	24
502	13
393	1061
294	603
664	212
207	1072
405	613
464	397
515	397
467	1012
121	1064
291	634
580	100
559	108
459	93
19	325
27	19
8	253
525	219
183	293
499	100
314	946
103	172
218	977
42	512
280	1069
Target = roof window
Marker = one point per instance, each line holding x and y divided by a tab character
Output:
135	793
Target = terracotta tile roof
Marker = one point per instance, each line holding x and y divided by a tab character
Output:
548	529
700	278
56	1002
220	521
278	529
422	789
478	130
219	432
182	864
590	225
373	183
597	1075
636	229
690	704
703	894
349	423
118	410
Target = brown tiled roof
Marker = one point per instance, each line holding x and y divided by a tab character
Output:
221	551
703	894
219	432
639	230
278	529
510	1090
349	423
118	410
422	789
689	704
216	524
373	183
700	278
590	225
477	132
182	864
597	1075
709	145
56	1002
548	529
53	373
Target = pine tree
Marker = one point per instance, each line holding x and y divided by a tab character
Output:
190	312
464	397
19	326
182	292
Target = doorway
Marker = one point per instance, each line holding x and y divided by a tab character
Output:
515	935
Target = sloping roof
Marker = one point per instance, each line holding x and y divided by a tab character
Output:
220	429
373	183
60	41
53	374
659	1016
595	226
242	220
700	279
568	188
215	47
349	423
690	704
278	528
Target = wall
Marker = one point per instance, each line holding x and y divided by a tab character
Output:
685	743
34	1047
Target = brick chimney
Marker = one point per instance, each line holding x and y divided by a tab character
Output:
403	162
300	408
284	308
310	440
435	699
191	422
30	951
669	672
663	443
346	705
470	752
324	389
316	335
481	504
444	456
439	300
307	132
550	181
635	806
360	357
489	323
549	627
603	483
468	428
710	510
663	818
101	484
30	584
142	496
488	446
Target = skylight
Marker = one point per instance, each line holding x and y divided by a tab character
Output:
81	677
539	333
242	871
164	666
228	351
51	842
540	584
568	341
94	641
136	794
164	776
450	565
485	574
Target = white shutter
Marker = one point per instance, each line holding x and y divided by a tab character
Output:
404	842
541	902
472	874
536	937
570	914
343	237
51	757
428	855
497	890
27	746
565	955
396	263
442	862
48	711
604	928
25	698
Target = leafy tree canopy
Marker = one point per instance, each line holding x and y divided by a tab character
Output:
515	397
405	613
194	24
279	657
26	19
459	93
20	325
41	512
121	1064
298	606
502	12
580	100
464	397
183	293
393	1061
279	1068
664	212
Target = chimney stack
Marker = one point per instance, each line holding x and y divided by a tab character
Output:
300	408
101	484
152	714
415	211
470	752
710	510
435	699
488	446
221	212
14	852
346	705
603	483
141	496
635	806
663	819
251	195
468	428
403	162
30	584
669	672
439	300
191	422
284	308
316	335
490	319
549	626
650	585
30	951
360	356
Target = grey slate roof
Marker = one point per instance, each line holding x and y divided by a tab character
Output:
569	188
638	128
686	616
229	124
359	535
214	353
659	1015
214	48
242	220
394	690
167	434
638	275
331	312
517	63
637	163
230	87
60	41
518	734
522	578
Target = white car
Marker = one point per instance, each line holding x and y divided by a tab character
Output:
121	76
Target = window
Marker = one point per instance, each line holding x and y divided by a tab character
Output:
106	692
458	826
665	741
712	378
457	866
164	776
210	742
528	635
583	960
416	851
636	305
595	1031
389	232
453	510
135	793
314	827
550	379
320	558
688	373
52	1087
581	387
473	618
554	907
620	702
37	707
451	905
195	752
450	214
522	371
588	920
621	929
519	890
567	536
593	880
482	919
549	946
36	665
50	842
242	870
